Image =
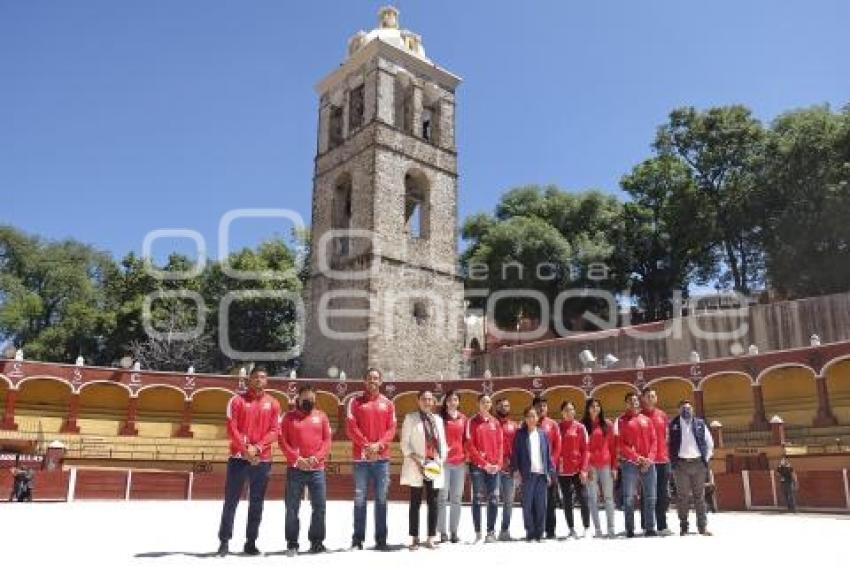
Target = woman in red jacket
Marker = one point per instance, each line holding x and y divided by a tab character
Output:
455	467
572	464
602	464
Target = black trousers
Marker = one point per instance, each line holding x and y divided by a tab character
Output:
662	496
416	504
551	505
572	485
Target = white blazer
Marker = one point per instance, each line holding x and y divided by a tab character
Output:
413	445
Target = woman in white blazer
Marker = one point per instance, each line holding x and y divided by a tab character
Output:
423	439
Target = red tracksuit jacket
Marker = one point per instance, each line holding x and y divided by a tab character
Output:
661	422
455	430
509	429
574	455
602	447
550	427
369	420
636	437
484	441
304	435
252	420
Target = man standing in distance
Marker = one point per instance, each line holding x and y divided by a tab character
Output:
252	426
550	428
649	406
371	427
305	440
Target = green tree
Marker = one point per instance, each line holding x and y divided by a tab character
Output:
547	240
807	237
666	242
723	147
52	297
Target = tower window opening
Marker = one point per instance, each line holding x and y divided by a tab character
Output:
416	209
341	216
356	108
335	127
420	312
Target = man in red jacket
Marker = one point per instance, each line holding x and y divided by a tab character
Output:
252	426
572	466
371	427
648	403
485	446
305	440
506	477
553	433
637	447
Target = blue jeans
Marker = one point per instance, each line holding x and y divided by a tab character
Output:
238	471
534	494
485	488
451	495
662	496
631	476
506	492
376	473
316	485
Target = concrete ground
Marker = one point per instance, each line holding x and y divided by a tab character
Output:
170	533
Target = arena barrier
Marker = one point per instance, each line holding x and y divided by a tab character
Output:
749	490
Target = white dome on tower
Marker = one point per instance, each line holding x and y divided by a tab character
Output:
389	32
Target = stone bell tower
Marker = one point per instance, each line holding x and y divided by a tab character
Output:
384	288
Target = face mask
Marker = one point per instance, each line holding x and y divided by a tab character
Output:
306	405
687	413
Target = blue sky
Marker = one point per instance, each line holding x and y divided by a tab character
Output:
117	118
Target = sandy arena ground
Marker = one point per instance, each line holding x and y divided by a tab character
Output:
170	533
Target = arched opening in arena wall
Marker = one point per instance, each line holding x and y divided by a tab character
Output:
160	411
42	404
558	395
209	411
791	393
838	388
612	397
728	398
670	391
103	408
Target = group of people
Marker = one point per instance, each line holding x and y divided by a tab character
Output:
572	459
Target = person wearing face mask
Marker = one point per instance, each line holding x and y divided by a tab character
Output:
506	477
691	448
305	440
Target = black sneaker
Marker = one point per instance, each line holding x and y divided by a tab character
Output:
382	546
683	531
454	538
251	549
630	534
223	548
317	548
650	534
356	545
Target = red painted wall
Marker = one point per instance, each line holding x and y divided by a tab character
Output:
101	484
48	486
